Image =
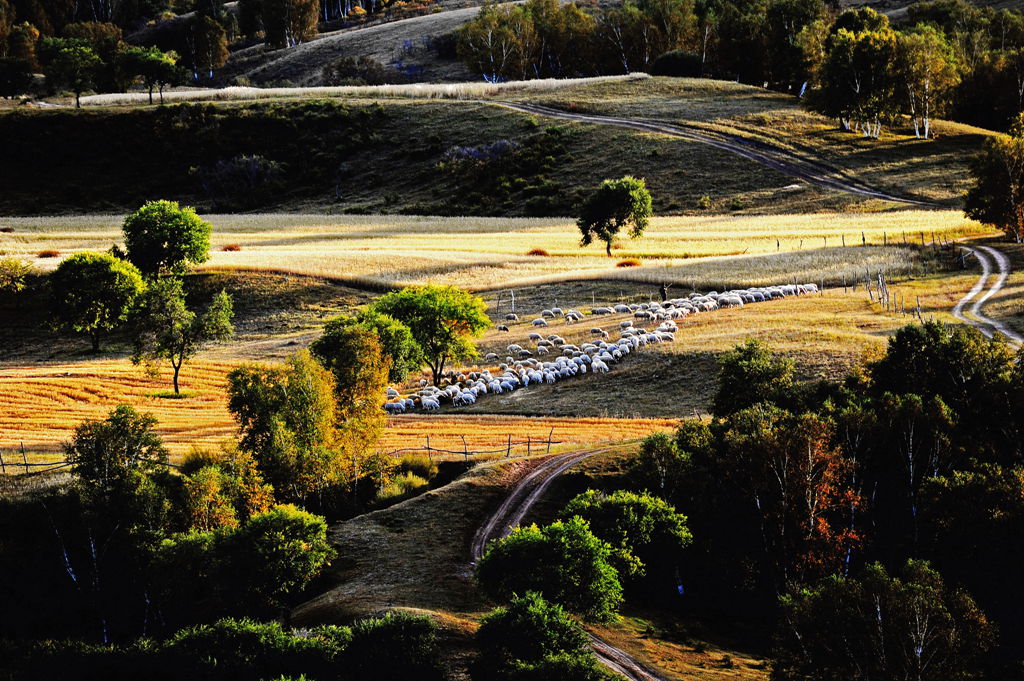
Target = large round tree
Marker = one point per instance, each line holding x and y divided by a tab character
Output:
162	237
615	204
94	293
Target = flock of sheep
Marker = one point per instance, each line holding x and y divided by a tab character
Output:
553	359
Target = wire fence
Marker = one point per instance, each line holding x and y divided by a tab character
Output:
527	447
20	466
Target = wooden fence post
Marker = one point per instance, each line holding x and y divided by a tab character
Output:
430	457
3	466
508	452
24	456
465	448
844	240
550	433
863	239
527	445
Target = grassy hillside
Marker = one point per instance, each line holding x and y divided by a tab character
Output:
385	155
931	170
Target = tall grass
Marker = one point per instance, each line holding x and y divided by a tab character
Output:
410	90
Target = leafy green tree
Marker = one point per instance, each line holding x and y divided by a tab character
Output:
75	68
396	341
279	552
155	67
161	237
644	527
443	321
750	373
353	355
563	561
533	639
615	204
168	330
208	43
906	626
928	70
784	21
287	417
94	293
206	502
660	466
105	455
996	195
15	77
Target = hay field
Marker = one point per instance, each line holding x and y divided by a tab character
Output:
45	401
488	253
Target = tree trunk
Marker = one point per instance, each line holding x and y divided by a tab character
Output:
150	94
608	247
78	100
95	341
177	369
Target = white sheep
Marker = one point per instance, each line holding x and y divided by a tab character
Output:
539	322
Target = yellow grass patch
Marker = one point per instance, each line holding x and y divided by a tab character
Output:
483	253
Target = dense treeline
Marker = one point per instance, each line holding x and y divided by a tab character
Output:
948	58
815	505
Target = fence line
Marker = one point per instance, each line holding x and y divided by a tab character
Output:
533	446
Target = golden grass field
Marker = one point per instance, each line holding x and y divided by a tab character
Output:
487	253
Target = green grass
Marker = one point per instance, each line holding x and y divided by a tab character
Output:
171	395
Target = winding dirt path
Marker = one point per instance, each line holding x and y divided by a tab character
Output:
986	256
511	512
774	157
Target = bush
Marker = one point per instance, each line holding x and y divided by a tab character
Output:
704	202
564	562
404	485
396	647
537	251
630	262
678	63
162	237
420	464
197	459
243	181
360	71
48	253
231	248
13	272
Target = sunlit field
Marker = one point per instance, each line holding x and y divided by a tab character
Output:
487	253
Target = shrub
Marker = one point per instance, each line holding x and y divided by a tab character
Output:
537	251
48	253
245	180
420	464
360	71
7	230
402	486
533	639
678	63
162	236
13	272
94	293
197	459
564	562
630	262
396	647
704	202
231	248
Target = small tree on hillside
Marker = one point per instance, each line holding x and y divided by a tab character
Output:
162	237
94	293
169	330
996	196
156	68
74	68
750	373
443	321
616	204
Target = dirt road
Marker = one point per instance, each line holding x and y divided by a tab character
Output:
511	512
778	158
987	256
